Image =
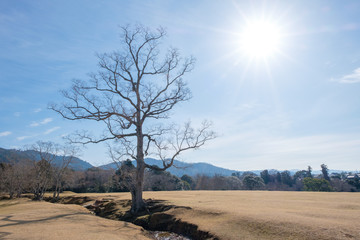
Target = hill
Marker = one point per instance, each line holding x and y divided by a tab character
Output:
8	155
180	168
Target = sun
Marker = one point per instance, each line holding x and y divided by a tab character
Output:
260	39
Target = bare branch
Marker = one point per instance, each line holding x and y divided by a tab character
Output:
184	139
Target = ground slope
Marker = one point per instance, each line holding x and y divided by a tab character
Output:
270	215
228	215
237	215
25	219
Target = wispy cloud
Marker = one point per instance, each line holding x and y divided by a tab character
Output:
43	122
37	110
22	138
351	26
17	114
256	150
4	134
51	130
353	77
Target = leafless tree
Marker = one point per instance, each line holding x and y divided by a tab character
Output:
14	176
135	87
65	156
8	179
43	155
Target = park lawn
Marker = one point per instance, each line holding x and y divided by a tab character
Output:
269	215
26	219
265	214
229	215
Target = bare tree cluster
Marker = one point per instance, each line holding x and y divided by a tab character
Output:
42	166
15	177
135	88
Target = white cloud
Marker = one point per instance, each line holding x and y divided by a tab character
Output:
43	122
34	124
4	134
22	138
17	114
354	77
51	130
46	120
351	26
37	110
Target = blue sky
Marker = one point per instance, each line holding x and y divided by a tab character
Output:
298	107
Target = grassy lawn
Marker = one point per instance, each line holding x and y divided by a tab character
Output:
270	215
226	214
26	219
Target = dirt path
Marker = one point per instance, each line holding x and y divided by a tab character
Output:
25	219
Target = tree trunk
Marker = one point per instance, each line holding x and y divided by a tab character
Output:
57	190
138	203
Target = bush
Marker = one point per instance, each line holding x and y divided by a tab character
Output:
317	185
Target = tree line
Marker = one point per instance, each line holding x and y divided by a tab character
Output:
302	180
39	173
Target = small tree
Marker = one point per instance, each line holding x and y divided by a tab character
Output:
42	156
325	172
252	182
131	92
308	172
317	185
8	179
188	179
65	156
265	176
286	178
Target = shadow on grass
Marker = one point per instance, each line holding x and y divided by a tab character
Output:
12	222
4	234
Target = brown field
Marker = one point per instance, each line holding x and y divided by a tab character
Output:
225	214
29	220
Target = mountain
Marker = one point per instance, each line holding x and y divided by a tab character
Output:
7	155
180	168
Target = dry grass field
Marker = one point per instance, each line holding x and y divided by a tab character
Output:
270	215
29	220
228	215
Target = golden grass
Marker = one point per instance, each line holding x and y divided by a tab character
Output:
26	219
265	215
230	215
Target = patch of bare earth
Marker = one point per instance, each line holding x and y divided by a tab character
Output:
26	219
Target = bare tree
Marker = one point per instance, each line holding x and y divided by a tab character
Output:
66	155
15	175
43	155
135	87
8	179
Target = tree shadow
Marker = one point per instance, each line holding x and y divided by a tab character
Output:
12	222
4	234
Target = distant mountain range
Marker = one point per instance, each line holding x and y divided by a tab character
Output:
178	169
8	155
